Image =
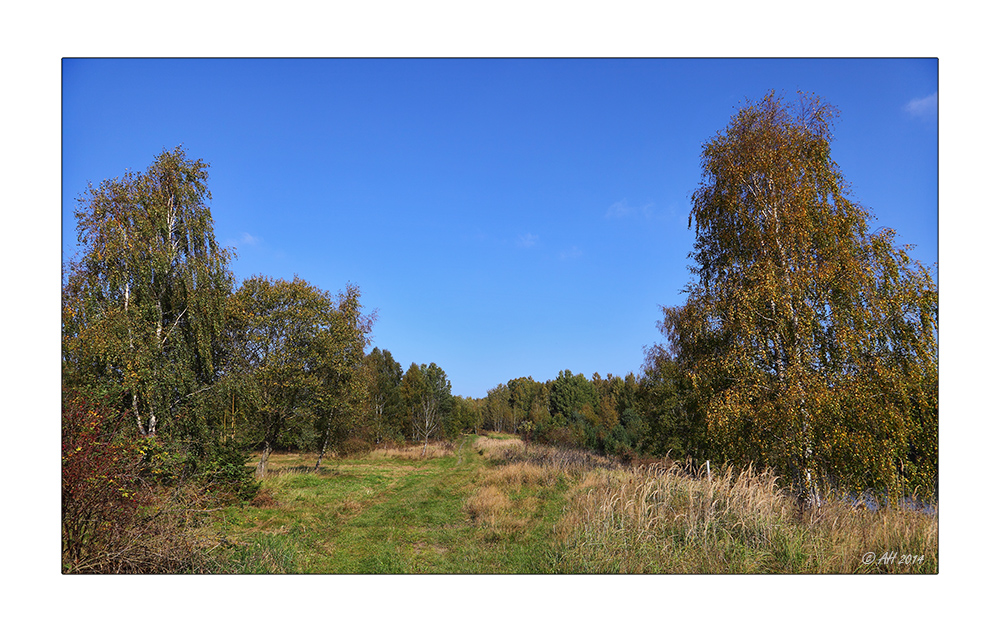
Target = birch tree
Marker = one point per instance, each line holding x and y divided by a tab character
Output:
811	342
143	306
426	390
342	385
384	375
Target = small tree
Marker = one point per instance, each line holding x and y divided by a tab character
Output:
278	331
570	393
341	352
383	375
427	392
497	410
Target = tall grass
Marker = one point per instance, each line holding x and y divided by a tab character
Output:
662	520
566	460
265	554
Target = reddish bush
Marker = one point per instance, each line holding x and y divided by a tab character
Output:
101	492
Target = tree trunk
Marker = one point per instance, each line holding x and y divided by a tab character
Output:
378	407
138	417
262	465
795	360
322	449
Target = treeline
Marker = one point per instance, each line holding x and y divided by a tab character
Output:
626	417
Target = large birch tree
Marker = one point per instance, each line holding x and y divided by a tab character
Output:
811	342
143	306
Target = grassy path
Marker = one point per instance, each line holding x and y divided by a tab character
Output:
394	513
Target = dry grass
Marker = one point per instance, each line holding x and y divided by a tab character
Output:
506	498
415	452
514	476
659	519
564	460
488	505
490	446
847	530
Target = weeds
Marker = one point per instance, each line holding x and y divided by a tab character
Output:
265	554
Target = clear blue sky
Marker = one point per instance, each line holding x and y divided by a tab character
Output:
505	217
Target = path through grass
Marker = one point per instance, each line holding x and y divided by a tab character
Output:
495	505
394	512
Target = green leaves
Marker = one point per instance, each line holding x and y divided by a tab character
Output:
296	355
426	392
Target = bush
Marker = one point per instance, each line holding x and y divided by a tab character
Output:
101	487
224	470
113	521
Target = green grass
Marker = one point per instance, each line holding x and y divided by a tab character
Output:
495	506
384	514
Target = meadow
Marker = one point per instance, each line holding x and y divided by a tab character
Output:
496	505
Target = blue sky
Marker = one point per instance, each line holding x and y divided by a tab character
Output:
506	217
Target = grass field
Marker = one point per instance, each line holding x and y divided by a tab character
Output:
495	505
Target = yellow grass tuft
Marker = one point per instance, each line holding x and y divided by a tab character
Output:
491	446
488	505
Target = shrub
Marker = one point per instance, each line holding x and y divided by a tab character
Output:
356	446
224	470
101	489
113	521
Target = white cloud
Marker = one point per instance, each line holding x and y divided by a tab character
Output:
572	253
619	209
527	240
245	239
923	108
623	209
